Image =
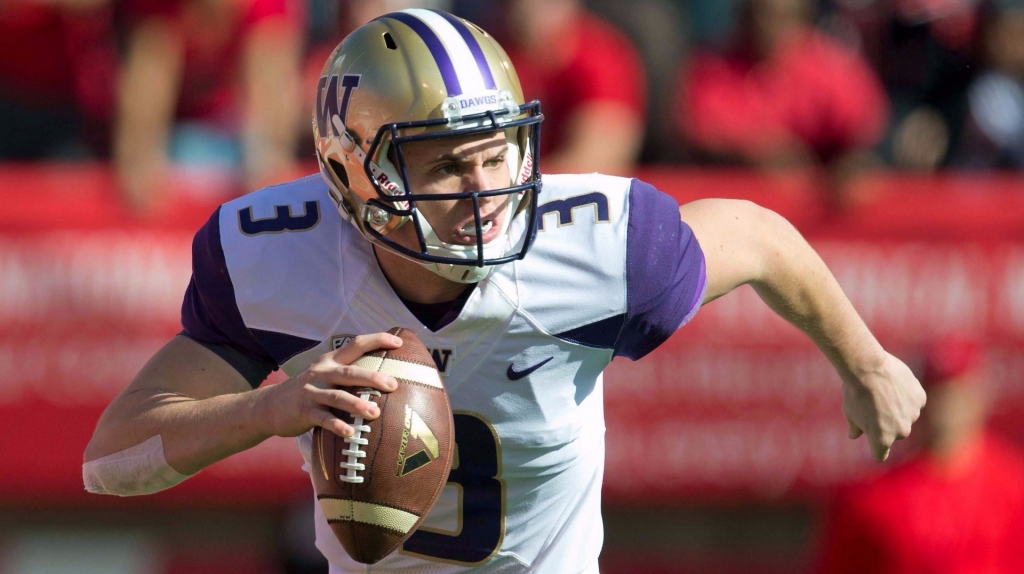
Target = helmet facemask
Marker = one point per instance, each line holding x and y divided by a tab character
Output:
396	202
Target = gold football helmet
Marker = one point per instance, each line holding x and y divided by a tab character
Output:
416	75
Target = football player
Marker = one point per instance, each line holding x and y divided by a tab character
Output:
430	213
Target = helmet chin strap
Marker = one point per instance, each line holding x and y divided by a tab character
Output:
498	247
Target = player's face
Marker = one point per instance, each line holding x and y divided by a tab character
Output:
460	164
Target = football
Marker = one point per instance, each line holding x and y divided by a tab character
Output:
377	486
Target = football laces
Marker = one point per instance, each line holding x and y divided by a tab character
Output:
355	452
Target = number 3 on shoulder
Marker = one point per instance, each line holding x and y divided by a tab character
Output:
476	472
282	221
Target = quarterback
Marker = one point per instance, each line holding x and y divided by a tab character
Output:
430	213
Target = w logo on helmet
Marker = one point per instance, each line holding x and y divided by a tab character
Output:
330	103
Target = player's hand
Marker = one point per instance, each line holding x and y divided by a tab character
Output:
331	382
883	403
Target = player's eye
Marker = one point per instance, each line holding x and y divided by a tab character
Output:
446	169
495	162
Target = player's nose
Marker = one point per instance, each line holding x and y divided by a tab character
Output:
478	178
473	179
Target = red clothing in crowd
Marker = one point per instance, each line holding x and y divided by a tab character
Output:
920	519
210	84
812	89
602	65
53	57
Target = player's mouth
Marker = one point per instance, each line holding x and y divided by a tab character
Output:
467	233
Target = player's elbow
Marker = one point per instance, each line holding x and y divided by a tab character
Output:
776	242
92	450
137	470
115	429
125	456
756	219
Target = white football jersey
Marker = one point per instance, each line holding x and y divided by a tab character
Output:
280	277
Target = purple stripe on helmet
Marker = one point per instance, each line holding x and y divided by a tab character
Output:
440	55
474	47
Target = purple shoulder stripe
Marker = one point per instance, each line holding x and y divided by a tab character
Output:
665	275
209	312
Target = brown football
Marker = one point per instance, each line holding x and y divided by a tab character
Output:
376	487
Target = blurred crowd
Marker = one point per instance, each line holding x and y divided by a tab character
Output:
956	504
156	85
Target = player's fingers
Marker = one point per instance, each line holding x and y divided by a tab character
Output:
358	346
881	452
881	444
327	421
330	373
855	431
903	432
347	402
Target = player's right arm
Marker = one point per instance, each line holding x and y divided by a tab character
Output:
203	410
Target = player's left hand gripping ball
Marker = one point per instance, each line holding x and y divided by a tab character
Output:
377	486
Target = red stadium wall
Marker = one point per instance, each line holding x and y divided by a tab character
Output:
736	404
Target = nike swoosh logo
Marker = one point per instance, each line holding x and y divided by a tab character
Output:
514	375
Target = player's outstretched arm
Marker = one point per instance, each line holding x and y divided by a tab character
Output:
188	408
744	243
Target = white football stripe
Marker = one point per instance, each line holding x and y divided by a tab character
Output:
465	64
368	513
402	370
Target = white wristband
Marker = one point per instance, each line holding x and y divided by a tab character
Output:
141	469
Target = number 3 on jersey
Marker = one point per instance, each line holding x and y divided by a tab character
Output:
476	473
282	221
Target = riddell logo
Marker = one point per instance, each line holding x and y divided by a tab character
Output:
524	174
386	182
416	429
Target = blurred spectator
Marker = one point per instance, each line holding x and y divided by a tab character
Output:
783	94
659	29
208	83
588	77
56	78
993	135
329	21
713	22
957	507
927	56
